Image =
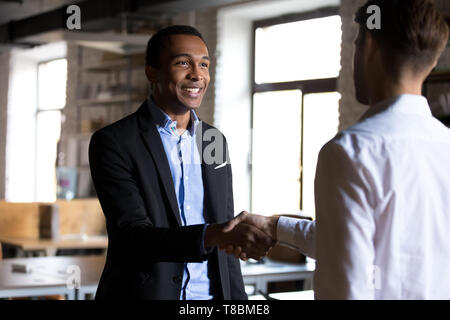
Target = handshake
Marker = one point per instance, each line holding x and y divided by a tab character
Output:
245	236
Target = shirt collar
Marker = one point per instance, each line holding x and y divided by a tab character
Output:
162	119
404	103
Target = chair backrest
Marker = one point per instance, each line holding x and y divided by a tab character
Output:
19	219
28	220
81	216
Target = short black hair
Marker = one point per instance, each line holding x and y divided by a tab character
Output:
412	33
160	39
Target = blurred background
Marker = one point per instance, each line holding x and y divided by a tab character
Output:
281	86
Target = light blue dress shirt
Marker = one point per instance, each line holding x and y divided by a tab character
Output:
185	166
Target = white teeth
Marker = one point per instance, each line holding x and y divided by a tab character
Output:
193	90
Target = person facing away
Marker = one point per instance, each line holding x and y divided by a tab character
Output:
165	187
382	186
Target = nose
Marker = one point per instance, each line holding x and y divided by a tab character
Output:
195	74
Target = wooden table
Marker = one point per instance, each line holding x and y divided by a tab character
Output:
49	275
28	247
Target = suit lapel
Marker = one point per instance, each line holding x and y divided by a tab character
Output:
211	199
154	144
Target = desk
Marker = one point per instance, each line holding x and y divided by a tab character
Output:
295	295
260	275
49	247
91	268
50	275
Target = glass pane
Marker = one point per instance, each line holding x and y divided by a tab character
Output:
47	135
276	152
301	50
52	78
320	124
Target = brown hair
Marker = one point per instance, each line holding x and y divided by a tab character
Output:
413	33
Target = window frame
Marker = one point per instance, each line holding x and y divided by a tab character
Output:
39	110
309	86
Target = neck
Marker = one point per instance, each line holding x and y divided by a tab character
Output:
181	115
390	88
183	120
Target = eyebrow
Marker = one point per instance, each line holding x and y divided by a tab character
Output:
187	55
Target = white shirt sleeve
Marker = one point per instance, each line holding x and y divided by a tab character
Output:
298	233
345	226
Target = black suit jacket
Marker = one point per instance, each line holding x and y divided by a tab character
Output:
147	244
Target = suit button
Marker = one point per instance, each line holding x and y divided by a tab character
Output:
176	279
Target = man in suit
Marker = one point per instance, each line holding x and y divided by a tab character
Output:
163	178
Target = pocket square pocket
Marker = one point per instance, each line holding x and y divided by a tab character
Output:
221	165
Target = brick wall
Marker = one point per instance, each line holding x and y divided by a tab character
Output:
444	61
349	109
206	22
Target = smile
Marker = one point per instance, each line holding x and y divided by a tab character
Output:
191	90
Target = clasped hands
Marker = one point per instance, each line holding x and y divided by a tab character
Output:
245	236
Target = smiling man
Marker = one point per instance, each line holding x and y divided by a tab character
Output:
164	181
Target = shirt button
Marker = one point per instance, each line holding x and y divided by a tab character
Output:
186	177
188	207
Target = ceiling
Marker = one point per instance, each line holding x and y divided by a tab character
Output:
19	9
27	23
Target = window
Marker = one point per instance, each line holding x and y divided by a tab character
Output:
299	50
295	107
51	94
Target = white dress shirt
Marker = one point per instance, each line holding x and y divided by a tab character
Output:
382	193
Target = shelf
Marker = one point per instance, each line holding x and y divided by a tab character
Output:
111	100
116	64
439	75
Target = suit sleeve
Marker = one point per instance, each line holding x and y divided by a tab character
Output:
237	288
139	241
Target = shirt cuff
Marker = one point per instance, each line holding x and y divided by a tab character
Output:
286	230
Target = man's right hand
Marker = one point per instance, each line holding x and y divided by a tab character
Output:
267	224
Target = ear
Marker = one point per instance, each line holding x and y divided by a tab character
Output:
370	43
434	64
428	70
374	53
152	74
